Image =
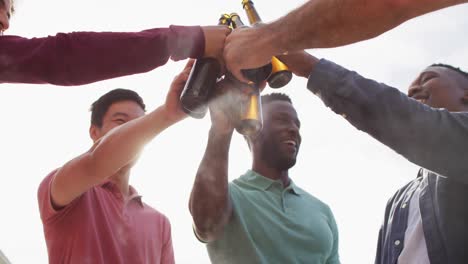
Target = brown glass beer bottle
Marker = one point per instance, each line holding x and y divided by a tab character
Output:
201	82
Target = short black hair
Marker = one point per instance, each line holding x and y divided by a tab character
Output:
268	98
465	74
100	106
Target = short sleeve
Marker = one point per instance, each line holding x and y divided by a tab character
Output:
334	256
167	252
44	198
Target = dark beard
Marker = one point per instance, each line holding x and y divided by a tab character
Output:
275	158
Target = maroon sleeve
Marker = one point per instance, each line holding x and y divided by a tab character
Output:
85	57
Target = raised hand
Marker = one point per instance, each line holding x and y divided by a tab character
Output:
172	105
247	48
224	107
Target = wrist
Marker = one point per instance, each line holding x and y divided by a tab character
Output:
165	116
272	40
186	42
221	130
309	64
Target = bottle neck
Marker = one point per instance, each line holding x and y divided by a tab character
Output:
236	21
225	20
252	14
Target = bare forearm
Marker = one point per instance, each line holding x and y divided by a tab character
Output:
122	145
331	23
209	201
117	149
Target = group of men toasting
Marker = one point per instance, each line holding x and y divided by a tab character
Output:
91	213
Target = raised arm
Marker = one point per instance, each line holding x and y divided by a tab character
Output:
84	57
116	149
210	204
435	139
322	24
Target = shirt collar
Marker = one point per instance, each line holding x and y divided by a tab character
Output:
134	196
294	188
260	182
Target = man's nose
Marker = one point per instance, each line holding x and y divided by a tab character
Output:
414	90
4	23
293	129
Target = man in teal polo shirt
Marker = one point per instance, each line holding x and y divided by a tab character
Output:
262	216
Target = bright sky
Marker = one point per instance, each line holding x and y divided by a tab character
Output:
45	126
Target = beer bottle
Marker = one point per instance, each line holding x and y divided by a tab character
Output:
251	121
280	75
201	82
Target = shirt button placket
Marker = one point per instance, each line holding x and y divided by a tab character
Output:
285	204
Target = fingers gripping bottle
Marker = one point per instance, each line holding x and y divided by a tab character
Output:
201	82
280	75
257	75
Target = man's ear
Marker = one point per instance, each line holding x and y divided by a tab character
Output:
94	132
251	139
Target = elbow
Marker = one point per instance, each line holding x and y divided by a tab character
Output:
206	233
57	62
205	222
208	224
205	225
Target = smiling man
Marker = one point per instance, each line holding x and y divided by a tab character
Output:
89	212
262	216
425	221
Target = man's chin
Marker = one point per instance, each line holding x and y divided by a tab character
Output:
286	164
128	167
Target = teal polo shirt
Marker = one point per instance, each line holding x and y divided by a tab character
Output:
272	224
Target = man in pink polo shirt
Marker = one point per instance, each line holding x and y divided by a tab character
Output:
89	211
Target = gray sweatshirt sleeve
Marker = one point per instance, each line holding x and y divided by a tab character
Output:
431	138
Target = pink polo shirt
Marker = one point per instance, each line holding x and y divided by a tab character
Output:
100	227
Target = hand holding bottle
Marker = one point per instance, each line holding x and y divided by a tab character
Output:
245	48
224	105
172	106
250	48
